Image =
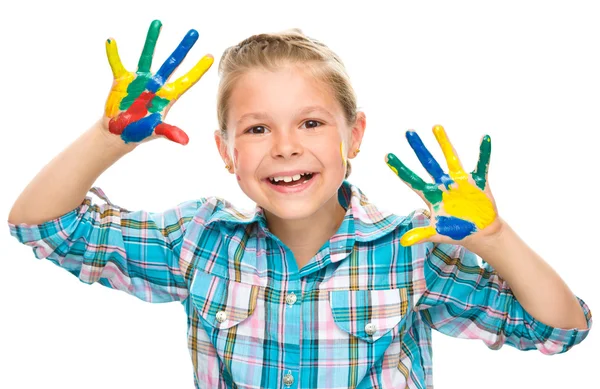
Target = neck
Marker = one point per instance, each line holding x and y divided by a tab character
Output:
307	235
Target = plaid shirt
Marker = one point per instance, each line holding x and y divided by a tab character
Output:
359	314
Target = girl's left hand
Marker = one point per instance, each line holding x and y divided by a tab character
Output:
461	204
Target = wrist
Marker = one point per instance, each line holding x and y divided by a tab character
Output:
110	141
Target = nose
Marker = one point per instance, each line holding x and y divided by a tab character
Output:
286	145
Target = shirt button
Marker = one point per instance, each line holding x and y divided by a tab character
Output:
370	329
288	379
221	316
290	299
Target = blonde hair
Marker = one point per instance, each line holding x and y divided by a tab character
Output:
273	50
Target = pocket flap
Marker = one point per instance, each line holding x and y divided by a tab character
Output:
368	314
222	303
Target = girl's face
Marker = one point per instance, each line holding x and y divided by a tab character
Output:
282	125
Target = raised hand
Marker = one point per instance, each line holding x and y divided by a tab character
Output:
138	102
461	203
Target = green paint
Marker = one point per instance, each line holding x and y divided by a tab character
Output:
158	104
485	151
108	41
430	191
145	61
134	89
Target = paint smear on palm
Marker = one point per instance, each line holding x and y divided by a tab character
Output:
467	207
140	96
463	199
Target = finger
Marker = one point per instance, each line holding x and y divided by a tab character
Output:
172	133
173	90
173	61
483	163
405	174
112	53
427	160
454	227
454	167
428	192
141	129
145	62
417	235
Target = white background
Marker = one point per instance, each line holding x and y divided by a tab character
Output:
527	73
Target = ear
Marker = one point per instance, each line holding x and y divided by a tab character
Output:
222	147
358	131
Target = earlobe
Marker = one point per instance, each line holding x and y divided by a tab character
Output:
358	131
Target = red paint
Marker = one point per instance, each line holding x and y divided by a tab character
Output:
137	110
238	177
235	158
173	133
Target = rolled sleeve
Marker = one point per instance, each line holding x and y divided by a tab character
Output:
133	251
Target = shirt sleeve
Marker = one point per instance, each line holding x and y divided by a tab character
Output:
464	297
135	252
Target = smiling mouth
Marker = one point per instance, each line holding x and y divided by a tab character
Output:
291	180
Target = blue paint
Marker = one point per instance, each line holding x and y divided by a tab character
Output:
141	129
427	160
454	227
169	66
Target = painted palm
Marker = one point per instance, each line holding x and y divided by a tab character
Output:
461	203
138	102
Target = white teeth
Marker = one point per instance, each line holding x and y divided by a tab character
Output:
288	178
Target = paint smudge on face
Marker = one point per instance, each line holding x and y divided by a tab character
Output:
235	158
343	154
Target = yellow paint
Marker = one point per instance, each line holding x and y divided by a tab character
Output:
454	167
416	235
343	154
122	79
463	199
173	90
468	202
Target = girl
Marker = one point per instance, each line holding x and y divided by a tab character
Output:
316	288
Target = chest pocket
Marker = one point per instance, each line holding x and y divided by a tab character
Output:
369	314
222	303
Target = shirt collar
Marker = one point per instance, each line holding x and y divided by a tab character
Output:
363	221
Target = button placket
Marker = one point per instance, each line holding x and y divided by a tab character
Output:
288	379
291	298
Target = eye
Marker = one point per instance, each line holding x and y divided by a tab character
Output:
257	130
312	123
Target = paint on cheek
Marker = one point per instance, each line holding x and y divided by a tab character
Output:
238	177
235	158
342	154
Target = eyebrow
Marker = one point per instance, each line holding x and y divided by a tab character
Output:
265	115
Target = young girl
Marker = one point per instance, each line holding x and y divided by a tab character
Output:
315	288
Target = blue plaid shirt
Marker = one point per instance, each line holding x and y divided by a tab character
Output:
358	314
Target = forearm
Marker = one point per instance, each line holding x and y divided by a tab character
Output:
63	183
537	287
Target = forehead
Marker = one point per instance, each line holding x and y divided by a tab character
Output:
281	92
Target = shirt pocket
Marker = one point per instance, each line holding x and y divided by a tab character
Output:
369	315
222	303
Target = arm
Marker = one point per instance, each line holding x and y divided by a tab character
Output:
539	289
462	298
137	252
63	183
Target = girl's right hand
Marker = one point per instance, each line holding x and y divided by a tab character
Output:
138	102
